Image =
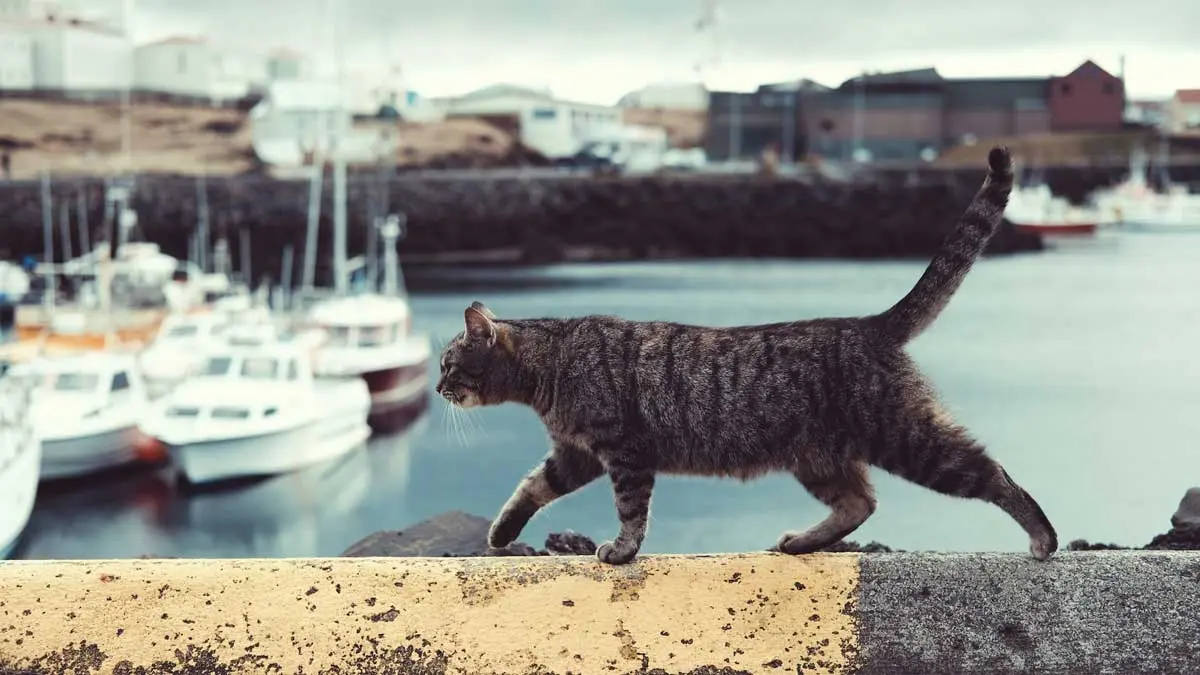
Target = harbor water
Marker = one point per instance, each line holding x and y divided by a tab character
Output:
1077	367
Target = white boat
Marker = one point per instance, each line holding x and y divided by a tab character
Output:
1136	205
255	409
86	409
178	348
1036	210
20	459
368	336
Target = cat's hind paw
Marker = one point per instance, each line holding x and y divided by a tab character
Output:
609	552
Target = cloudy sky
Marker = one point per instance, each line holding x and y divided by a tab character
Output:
597	50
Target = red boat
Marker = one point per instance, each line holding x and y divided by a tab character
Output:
370	336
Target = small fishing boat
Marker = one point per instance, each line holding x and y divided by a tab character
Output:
178	347
255	409
369	335
86	409
20	458
1035	210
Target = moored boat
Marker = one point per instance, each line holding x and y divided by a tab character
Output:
255	409
86	408
20	458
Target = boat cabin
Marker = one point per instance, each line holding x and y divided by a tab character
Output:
245	366
111	377
189	328
363	321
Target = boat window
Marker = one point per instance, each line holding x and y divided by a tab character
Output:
183	331
120	381
260	368
225	413
293	370
371	336
216	366
75	382
339	336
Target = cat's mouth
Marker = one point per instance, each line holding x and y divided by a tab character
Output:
460	399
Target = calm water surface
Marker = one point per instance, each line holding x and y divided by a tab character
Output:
1077	367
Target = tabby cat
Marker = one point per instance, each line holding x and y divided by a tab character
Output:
822	399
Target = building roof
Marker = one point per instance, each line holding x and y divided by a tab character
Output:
178	40
801	84
1187	95
67	23
913	76
1088	67
504	89
996	92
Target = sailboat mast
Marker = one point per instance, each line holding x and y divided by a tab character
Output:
341	282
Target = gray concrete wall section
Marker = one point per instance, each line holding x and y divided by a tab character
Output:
1120	612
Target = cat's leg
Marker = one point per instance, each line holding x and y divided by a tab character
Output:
632	489
565	470
943	457
848	492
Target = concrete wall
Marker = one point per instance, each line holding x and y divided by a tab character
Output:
852	614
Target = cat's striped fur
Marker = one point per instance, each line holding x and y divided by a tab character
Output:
822	399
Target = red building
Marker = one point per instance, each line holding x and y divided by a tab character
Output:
1089	98
914	113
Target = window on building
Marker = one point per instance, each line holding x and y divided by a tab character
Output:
826	125
1108	88
544	113
1065	88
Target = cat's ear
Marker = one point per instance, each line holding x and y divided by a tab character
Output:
479	307
480	326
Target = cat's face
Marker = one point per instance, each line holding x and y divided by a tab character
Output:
475	363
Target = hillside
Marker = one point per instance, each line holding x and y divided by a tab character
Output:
84	138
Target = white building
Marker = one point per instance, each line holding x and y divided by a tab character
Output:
667	96
80	57
551	126
16	56
44	47
194	66
298	118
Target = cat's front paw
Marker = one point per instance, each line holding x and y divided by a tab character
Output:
795	543
609	552
503	532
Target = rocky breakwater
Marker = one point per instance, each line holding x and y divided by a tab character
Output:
457	534
535	219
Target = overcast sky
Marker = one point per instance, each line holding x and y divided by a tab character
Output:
597	50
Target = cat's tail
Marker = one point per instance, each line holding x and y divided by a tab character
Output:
917	310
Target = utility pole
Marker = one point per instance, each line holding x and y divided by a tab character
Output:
859	104
789	129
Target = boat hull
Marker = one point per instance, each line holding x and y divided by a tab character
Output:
281	452
1057	229
77	456
18	487
335	425
397	395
